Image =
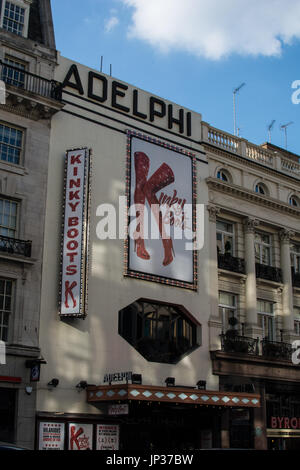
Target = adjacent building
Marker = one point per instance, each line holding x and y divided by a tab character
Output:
29	99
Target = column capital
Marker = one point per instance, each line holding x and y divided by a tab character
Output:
286	235
250	224
213	212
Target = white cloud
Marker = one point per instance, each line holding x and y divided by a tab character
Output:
111	23
216	28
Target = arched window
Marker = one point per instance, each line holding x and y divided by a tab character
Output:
260	188
224	175
294	201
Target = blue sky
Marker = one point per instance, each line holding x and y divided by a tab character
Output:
196	57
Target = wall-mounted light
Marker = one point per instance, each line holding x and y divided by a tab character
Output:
201	384
136	379
28	390
82	385
53	383
170	381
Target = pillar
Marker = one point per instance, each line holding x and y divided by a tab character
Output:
287	292
250	286
214	320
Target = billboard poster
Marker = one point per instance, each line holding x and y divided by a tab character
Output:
74	240
80	436
107	437
161	212
51	436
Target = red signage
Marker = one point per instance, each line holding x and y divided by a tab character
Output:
278	422
74	252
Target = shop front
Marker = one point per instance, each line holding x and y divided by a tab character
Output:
283	416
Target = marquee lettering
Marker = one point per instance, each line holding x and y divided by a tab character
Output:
97	90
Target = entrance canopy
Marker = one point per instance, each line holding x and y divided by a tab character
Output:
186	395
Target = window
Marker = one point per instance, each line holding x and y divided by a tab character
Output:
228	311
8	218
224	176
11	143
159	332
6	288
13	72
295	257
261	188
294	201
263	249
13	18
266	319
225	237
297	320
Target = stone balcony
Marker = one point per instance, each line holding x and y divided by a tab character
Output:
28	94
278	160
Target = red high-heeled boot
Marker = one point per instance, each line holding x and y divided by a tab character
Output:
141	165
160	179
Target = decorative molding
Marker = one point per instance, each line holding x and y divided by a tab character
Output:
239	191
244	161
250	224
160	394
286	235
214	211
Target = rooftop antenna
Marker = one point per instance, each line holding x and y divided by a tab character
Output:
110	70
284	127
101	64
235	91
270	127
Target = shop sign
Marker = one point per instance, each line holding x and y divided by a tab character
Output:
51	436
278	422
80	436
117	377
162	212
115	410
74	242
107	437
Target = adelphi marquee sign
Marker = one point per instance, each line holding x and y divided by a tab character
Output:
121	97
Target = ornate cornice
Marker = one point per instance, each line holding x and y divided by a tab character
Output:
239	191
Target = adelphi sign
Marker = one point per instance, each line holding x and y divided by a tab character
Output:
121	97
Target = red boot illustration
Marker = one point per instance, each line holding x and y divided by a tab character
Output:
160	179
141	164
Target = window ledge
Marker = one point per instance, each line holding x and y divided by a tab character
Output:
17	258
12	168
232	273
260	280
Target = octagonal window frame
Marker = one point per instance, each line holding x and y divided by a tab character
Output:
161	332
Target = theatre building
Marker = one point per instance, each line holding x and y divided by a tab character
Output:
153	338
126	300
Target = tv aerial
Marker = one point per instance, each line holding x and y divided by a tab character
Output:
235	91
270	127
284	127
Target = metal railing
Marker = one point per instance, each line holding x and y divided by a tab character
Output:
263	271
23	80
15	246
231	263
239	344
276	350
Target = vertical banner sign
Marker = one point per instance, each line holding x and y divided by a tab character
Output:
80	436
161	194
107	437
51	436
75	234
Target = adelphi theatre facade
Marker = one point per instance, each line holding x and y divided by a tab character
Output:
171	289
